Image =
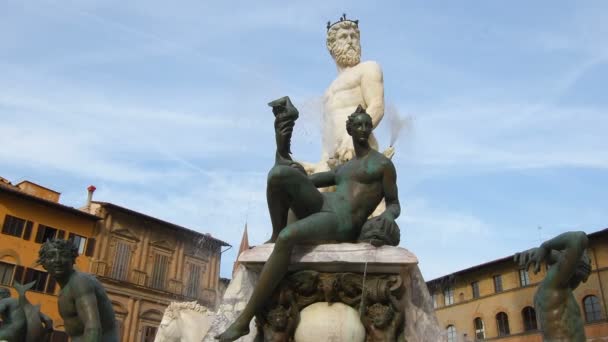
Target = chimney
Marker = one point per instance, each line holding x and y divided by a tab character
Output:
91	190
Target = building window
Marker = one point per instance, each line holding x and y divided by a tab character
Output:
38	276
90	247
194	278
593	311
50	286
480	329
13	226
448	296
451	333
122	260
502	323
435	301
6	273
475	289
524	278
497	283
529	317
46	233
148	334
18	275
159	272
78	241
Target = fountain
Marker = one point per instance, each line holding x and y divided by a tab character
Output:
372	290
331	273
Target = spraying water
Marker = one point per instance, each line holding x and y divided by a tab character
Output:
397	123
363	303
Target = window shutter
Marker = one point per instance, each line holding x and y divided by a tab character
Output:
41	281
18	274
50	287
28	230
61	234
39	234
29	275
90	247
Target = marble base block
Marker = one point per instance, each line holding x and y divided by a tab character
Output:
235	298
348	262
336	257
334	322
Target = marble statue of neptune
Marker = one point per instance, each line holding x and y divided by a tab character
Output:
357	83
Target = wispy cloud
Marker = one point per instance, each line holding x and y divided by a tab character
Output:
163	107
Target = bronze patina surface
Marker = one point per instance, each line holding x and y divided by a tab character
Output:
557	311
84	306
22	321
361	184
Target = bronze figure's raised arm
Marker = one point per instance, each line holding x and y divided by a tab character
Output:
360	184
556	308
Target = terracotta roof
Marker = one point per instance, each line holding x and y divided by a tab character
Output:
16	191
151	218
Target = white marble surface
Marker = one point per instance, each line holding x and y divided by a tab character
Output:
235	298
357	83
339	257
421	324
335	322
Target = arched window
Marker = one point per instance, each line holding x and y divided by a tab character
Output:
451	333
502	322
593	310
480	329
529	317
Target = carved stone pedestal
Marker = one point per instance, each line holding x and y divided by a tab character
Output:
382	287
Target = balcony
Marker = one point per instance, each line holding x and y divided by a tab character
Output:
139	277
99	268
175	286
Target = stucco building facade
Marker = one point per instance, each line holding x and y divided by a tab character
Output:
29	215
494	301
145	263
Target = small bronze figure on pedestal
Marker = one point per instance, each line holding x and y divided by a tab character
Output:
382	323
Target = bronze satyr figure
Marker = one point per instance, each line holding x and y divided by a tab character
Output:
84	305
361	184
556	308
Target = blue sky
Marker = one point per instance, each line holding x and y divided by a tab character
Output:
162	106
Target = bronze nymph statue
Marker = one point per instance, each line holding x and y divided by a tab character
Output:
361	184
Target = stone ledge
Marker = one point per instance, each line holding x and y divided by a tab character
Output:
336	257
